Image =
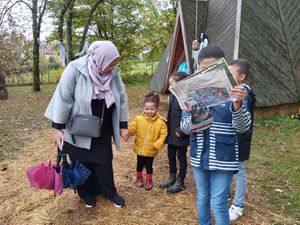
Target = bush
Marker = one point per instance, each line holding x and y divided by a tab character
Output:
55	75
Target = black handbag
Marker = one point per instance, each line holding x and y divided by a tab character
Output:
87	125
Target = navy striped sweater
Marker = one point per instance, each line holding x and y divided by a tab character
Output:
216	148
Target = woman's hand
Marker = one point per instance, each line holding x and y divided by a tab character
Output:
124	134
59	138
238	93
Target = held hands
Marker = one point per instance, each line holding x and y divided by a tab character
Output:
238	93
59	138
124	134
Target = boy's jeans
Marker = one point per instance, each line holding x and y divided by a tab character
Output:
212	189
241	185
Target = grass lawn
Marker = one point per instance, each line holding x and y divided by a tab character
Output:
273	169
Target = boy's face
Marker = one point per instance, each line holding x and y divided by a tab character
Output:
171	81
238	77
203	63
150	109
196	45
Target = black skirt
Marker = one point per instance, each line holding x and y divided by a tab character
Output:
101	148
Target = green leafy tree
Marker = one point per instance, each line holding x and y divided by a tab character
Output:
137	27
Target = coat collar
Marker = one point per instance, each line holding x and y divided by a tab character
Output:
154	118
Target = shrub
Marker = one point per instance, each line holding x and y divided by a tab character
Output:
55	75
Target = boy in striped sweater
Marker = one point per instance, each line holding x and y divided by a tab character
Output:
240	71
214	151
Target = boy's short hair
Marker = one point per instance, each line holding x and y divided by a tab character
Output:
177	76
242	66
211	51
152	97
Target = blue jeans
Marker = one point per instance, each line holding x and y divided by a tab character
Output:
212	188
241	185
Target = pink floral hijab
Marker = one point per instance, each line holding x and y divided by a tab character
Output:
101	54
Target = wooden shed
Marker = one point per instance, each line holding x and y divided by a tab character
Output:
267	33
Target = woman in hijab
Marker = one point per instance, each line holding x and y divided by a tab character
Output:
86	86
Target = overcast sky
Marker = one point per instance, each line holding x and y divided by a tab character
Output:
22	16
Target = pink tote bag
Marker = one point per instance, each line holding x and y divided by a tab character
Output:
58	181
42	176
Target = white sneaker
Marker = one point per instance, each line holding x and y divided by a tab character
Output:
235	212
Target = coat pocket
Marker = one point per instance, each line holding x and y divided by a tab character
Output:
225	147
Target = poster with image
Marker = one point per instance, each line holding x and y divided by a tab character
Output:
207	87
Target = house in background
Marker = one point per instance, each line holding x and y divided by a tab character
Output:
266	33
47	50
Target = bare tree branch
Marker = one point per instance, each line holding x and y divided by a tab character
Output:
7	9
40	17
25	3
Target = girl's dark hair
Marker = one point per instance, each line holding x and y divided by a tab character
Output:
211	51
177	76
242	66
152	97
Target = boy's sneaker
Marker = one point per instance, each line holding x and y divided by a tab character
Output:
90	201
118	201
235	212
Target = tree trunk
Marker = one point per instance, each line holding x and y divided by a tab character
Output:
69	37
3	89
36	52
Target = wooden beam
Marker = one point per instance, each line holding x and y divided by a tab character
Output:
237	29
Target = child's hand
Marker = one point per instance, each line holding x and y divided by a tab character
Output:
186	106
238	93
177	134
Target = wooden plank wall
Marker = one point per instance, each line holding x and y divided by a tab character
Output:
176	53
221	25
158	78
262	42
158	81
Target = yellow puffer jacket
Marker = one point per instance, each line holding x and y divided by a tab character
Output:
150	132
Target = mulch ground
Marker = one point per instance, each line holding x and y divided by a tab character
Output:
20	204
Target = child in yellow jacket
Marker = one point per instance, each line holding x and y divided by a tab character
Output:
151	131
